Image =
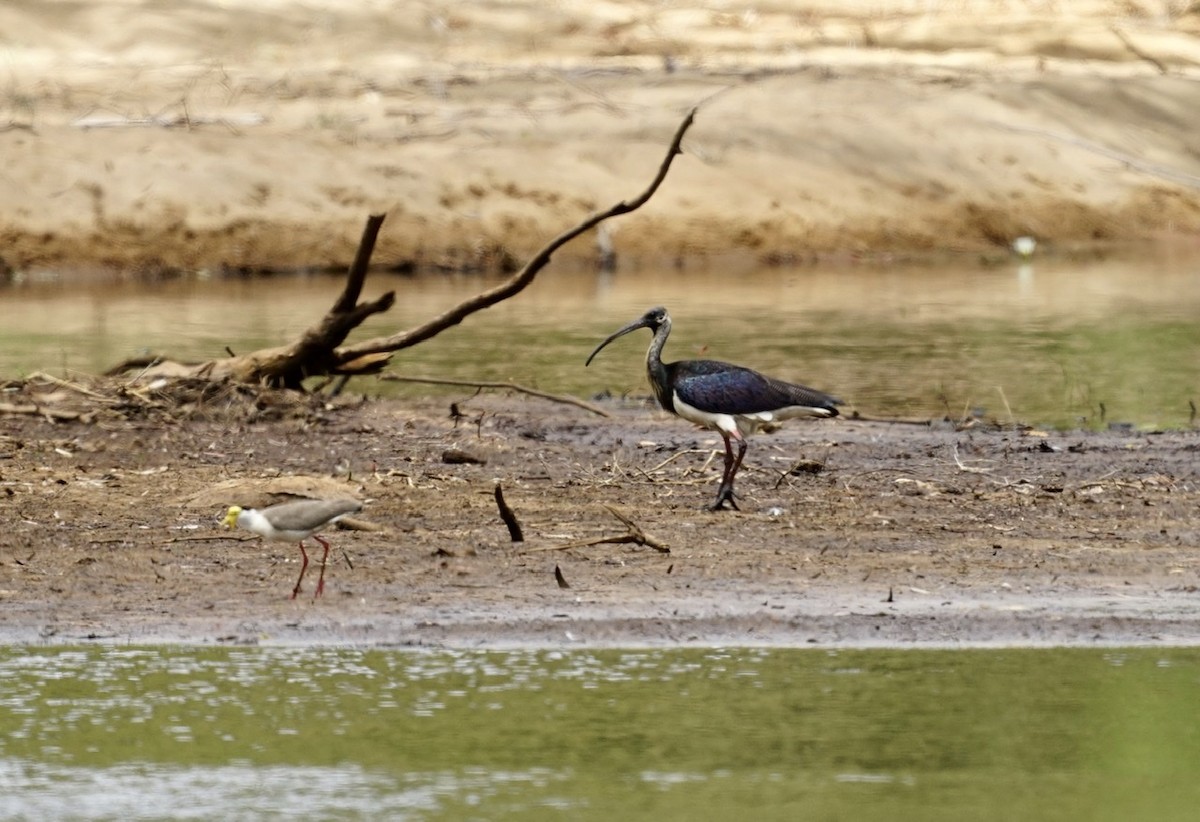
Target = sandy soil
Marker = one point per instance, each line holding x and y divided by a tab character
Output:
147	135
905	535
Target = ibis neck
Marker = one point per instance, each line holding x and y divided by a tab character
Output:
655	368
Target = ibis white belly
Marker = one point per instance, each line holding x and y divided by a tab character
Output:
743	424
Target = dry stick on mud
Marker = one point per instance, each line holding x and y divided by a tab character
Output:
319	351
634	534
506	514
1137	52
504	385
559	578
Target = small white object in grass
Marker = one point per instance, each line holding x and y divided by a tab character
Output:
1024	246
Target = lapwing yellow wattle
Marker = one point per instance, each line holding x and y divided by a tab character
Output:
294	522
735	401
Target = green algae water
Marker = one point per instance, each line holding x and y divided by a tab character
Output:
1061	343
123	733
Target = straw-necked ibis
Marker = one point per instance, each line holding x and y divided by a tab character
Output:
735	401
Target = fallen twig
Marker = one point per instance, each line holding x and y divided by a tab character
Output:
857	417
509	386
207	538
676	456
167	121
1007	407
1138	52
635	534
39	410
87	392
802	466
506	514
966	469
354	524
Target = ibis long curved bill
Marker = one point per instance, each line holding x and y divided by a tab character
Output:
640	322
294	522
733	400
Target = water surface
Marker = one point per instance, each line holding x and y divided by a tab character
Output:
1056	342
103	733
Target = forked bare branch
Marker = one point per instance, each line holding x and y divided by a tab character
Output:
516	283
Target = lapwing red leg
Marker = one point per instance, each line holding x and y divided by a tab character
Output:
294	522
324	558
303	568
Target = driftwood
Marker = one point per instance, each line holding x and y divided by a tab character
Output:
320	350
103	399
633	533
566	399
506	514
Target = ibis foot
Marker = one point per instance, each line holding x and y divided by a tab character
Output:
723	496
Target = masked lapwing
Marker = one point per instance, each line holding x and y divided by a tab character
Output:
295	522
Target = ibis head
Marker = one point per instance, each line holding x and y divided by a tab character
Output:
653	319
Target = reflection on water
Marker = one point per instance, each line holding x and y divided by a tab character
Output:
1052	342
178	733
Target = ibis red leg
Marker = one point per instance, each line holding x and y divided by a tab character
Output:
732	464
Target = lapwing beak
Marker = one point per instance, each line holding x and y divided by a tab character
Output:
640	322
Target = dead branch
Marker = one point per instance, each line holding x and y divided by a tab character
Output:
203	538
634	534
967	469
168	121
313	354
319	351
1139	53
95	399
42	376
507	386
506	514
524	277
857	417
40	411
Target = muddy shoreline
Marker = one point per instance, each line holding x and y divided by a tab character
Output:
909	536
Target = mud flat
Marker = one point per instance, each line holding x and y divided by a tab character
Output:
906	536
